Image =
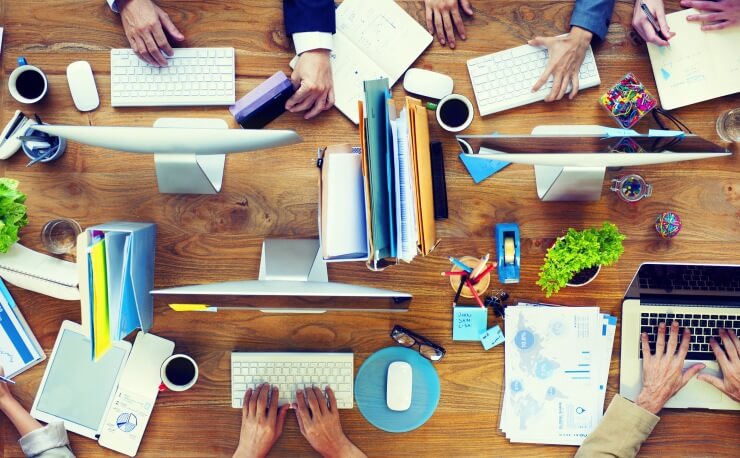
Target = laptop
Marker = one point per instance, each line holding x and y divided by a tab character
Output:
702	297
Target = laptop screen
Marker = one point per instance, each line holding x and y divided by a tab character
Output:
686	280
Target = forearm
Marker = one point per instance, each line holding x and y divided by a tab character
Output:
19	416
344	449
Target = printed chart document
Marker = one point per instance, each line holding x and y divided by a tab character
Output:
19	349
556	369
698	65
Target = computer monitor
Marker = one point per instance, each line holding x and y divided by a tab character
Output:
572	167
189	154
293	279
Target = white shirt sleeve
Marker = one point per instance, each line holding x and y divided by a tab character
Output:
113	6
308	41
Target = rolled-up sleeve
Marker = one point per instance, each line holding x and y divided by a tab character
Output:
622	431
51	441
593	15
113	6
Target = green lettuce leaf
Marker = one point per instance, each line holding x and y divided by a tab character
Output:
12	213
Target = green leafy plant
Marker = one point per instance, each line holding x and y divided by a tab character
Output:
577	251
12	213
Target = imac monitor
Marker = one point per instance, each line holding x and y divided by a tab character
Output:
572	167
293	279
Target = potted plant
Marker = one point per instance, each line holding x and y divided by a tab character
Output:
12	213
576	258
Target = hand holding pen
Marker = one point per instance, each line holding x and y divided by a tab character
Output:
648	19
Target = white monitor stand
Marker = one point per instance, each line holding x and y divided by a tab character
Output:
292	260
569	183
189	172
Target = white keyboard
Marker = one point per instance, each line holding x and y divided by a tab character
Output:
292	371
193	76
504	79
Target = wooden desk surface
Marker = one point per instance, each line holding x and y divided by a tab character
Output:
274	193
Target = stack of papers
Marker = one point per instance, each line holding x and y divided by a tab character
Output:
19	349
556	370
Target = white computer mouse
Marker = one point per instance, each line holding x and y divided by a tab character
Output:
82	86
427	83
398	390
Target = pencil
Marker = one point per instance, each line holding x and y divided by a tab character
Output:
481	265
459	290
480	276
451	273
475	293
461	264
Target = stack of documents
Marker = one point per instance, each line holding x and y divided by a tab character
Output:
556	370
19	349
116	264
396	165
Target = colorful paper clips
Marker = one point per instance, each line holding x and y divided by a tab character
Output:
628	101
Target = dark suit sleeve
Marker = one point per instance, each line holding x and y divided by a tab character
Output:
593	15
309	16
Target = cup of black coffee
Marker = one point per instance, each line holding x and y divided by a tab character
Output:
27	84
179	373
454	113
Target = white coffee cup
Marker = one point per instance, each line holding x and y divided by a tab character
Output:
22	68
177	385
454	128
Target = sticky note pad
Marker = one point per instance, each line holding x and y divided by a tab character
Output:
468	323
492	337
480	169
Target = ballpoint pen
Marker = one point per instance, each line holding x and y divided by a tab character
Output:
6	380
653	21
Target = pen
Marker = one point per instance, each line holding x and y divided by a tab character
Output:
459	290
475	293
12	129
6	380
453	273
481	265
478	277
460	264
653	21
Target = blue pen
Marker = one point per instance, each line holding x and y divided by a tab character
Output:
6	380
461	265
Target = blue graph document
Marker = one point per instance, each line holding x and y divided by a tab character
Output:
19	349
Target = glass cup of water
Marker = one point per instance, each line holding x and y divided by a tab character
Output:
728	125
59	236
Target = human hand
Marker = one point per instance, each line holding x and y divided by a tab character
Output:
662	372
443	16
145	25
313	82
319	424
566	56
643	26
262	424
729	363
715	15
5	394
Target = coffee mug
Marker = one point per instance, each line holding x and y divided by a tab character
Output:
27	84
179	373
454	113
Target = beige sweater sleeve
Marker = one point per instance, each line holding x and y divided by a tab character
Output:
622	431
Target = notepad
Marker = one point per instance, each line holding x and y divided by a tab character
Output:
698	65
468	323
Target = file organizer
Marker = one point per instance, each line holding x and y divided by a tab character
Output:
116	277
396	194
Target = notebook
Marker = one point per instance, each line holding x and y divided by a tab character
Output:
39	273
698	65
375	39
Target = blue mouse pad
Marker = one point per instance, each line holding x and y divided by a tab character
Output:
370	386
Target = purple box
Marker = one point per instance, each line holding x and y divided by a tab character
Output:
263	103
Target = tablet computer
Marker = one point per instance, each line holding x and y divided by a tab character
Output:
75	389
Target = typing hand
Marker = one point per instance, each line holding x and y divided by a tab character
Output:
262	423
313	82
319	424
729	363
643	26
566	56
145	25
662	372
444	17
715	15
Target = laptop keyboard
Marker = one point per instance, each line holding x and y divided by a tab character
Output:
702	327
692	278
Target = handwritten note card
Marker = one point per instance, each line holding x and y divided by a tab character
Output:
492	337
468	323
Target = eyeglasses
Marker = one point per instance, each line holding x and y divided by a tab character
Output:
408	339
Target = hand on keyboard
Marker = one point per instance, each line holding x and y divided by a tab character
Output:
145	25
729	363
262	422
443	17
313	82
566	55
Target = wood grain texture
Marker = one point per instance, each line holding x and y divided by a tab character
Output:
274	193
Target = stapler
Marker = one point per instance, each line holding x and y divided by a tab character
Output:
508	252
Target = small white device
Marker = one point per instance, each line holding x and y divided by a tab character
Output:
75	389
504	79
82	86
427	83
398	389
193	77
292	371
